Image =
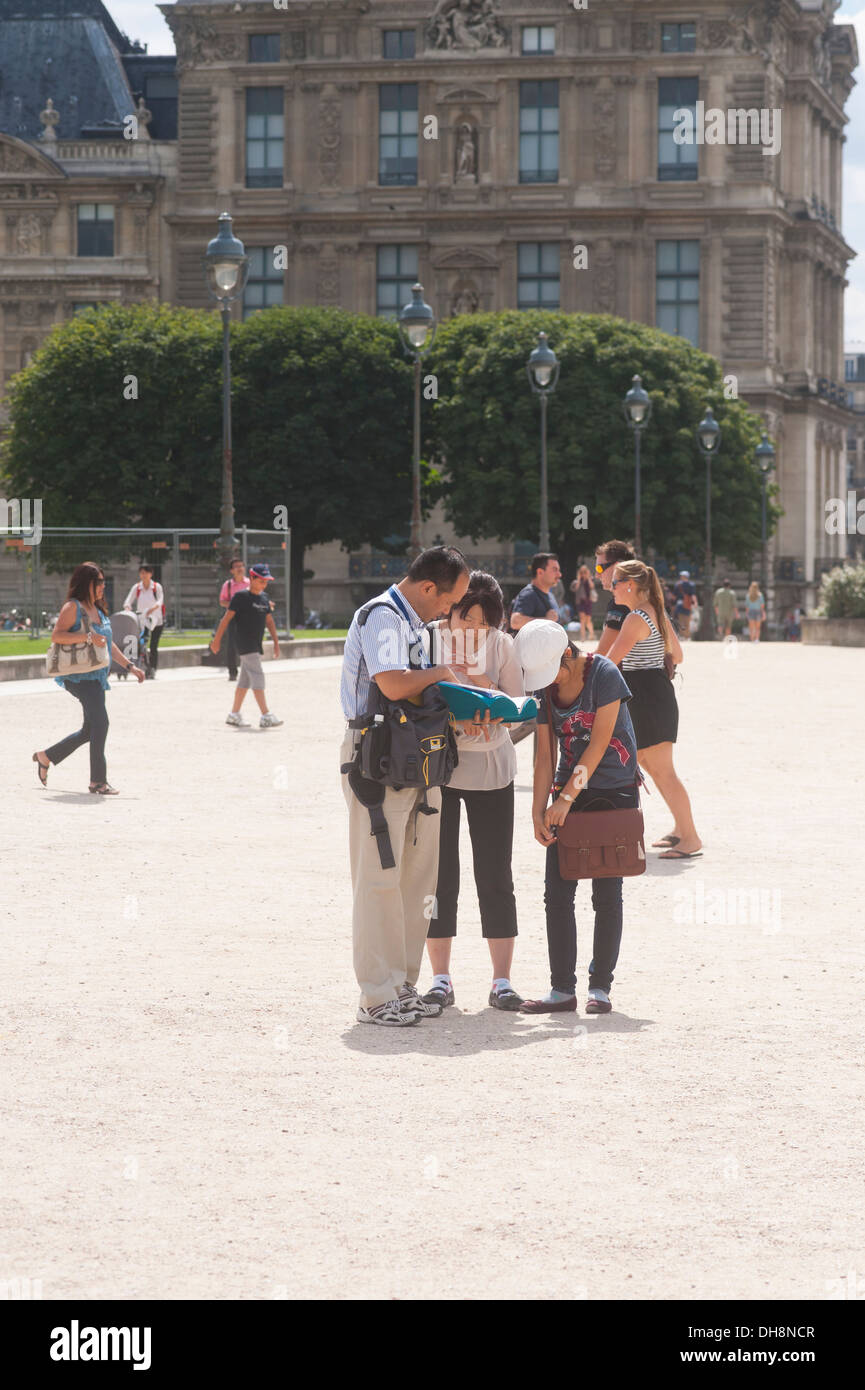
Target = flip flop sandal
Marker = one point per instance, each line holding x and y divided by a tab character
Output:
103	789
666	842
42	768
506	999
681	854
550	1006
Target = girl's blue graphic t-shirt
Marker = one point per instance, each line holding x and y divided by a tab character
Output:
573	724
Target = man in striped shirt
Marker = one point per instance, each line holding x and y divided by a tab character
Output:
392	907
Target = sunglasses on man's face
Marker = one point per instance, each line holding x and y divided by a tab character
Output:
601	569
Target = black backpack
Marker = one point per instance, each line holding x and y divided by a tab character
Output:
402	744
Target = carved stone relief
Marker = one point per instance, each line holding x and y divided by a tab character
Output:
329	135
466	25
465	298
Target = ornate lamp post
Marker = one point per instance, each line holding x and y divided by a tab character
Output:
542	370
765	456
637	408
709	440
417	326
226	267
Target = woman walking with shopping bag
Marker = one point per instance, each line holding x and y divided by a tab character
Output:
81	658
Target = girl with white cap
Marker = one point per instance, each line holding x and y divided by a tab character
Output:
596	770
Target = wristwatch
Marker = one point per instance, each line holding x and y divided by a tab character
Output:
565	797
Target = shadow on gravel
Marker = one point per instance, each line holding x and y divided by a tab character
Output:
487	1031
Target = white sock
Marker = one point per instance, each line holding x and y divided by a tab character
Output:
499	985
441	982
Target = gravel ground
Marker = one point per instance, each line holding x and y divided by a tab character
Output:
191	1109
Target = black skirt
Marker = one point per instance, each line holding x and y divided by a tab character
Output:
653	708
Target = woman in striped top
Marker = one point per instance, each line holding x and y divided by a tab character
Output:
645	640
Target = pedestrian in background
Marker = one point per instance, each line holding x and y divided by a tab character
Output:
146	600
85	598
249	612
755	611
725	608
606	557
535	599
686	602
235	584
641	647
585	596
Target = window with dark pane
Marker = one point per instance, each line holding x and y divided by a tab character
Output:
264	283
677	288
397	133
539	131
264	48
538	269
396	272
398	43
264	137
679	38
95	229
676	162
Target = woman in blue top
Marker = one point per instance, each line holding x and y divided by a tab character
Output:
86	594
597	770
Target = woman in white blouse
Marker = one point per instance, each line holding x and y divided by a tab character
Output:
472	643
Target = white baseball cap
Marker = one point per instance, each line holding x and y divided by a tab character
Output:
540	645
684	574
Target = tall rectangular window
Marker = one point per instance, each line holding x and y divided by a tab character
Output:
539	132
677	288
95	229
538	275
676	162
264	48
264	283
539	38
397	133
397	43
395	273
678	38
264	137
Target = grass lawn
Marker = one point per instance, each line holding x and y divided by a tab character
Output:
17	644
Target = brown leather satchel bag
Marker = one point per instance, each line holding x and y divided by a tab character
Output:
598	844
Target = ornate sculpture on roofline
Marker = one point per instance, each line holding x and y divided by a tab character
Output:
467	25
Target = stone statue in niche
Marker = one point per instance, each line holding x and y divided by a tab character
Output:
466	158
465	301
29	235
466	24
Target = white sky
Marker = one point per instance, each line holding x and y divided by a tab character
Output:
140	19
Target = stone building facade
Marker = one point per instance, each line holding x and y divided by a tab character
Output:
474	144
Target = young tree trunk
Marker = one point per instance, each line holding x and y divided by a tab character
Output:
297	553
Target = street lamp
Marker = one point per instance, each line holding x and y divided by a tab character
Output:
765	456
709	440
542	370
637	409
417	326
226	267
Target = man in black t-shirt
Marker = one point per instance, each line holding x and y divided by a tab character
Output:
250	611
607	557
535	600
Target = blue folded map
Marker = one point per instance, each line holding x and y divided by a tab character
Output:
464	700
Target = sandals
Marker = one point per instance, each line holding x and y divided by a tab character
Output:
103	789
42	768
681	854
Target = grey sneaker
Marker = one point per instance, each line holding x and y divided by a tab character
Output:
237	720
389	1015
411	1003
269	721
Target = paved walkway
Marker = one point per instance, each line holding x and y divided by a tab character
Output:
191	1109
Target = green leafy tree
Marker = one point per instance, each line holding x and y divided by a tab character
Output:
323	427
485	434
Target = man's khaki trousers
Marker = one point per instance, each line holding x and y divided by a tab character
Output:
392	907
